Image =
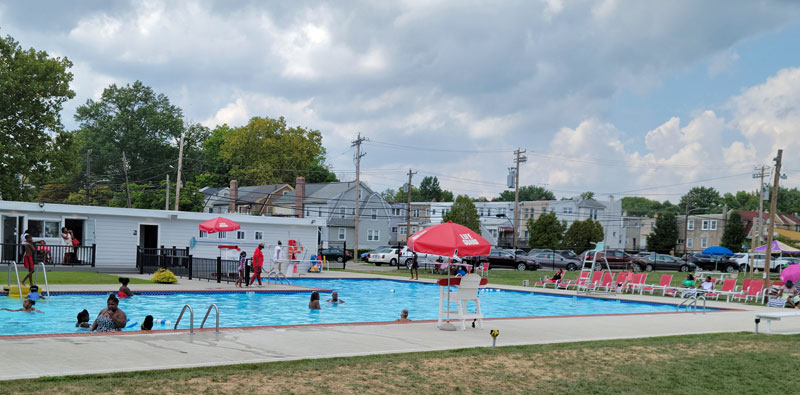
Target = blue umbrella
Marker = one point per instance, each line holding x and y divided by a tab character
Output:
718	250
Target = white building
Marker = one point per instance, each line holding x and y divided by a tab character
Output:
608	213
118	231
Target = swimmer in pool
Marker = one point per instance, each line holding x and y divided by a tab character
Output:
27	306
314	303
83	320
335	298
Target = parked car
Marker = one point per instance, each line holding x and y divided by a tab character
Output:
567	254
617	259
337	254
666	262
365	256
499	258
552	260
745	259
714	262
383	255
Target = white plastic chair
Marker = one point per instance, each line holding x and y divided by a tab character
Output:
468	291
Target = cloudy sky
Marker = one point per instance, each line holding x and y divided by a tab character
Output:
619	97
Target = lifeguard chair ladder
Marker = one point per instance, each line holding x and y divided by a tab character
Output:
593	266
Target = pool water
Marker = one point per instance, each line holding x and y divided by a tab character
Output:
365	301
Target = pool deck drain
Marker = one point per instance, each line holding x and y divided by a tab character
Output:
56	355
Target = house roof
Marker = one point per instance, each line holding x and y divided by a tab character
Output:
253	194
322	193
780	219
591	203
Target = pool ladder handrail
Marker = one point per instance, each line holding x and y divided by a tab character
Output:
691	301
19	284
216	314
191	319
46	285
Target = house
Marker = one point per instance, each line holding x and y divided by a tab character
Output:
698	232
334	202
609	214
636	230
529	210
253	200
118	232
785	224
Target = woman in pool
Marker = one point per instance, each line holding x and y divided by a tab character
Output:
83	320
124	291
314	303
111	318
27	306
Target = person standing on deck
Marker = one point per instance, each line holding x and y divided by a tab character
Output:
258	262
276	256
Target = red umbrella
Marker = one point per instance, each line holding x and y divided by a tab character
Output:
219	224
449	239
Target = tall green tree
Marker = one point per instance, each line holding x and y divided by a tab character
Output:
268	151
430	190
702	200
665	234
132	119
527	193
464	212
34	148
788	200
734	236
402	196
581	234
587	195
152	196
644	207
742	200
447	196
546	231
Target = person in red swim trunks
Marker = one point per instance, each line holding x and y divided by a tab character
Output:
258	263
27	259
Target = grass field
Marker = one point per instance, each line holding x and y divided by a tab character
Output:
738	363
59	278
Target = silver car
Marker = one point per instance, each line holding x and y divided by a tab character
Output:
551	261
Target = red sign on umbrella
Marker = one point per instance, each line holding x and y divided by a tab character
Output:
449	239
219	224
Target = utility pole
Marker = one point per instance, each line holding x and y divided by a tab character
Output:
125	170
178	181
357	143
408	210
757	228
166	205
518	159
772	207
686	223
88	166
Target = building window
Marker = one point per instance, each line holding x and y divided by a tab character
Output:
703	242
434	212
39	228
353	211
690	225
373	235
713	224
394	229
222	235
240	235
427	212
342	233
203	235
402	230
526	237
480	212
395	211
374	214
258	235
342	212
308	212
415	213
413	229
689	243
704	225
680	241
489	212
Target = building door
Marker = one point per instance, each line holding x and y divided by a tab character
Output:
76	226
9	239
148	237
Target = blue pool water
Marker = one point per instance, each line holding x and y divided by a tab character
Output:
365	301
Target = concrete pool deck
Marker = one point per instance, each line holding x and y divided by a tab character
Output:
58	355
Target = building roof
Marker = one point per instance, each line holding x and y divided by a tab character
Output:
323	193
253	194
780	219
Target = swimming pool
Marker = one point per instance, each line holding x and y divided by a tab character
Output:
366	300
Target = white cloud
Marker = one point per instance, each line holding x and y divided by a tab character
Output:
722	62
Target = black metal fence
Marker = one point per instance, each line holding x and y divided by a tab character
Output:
183	264
51	254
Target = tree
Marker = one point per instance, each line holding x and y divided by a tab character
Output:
545	232
788	200
702	200
267	151
639	206
430	190
734	235
742	200
464	212
447	196
151	196
33	89
135	120
527	193
581	234
665	234
587	195
402	196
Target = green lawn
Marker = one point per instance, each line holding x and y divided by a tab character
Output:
739	363
59	278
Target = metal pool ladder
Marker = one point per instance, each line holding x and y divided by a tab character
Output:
216	314
692	302
191	319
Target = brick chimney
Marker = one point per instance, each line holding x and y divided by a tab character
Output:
299	197
233	196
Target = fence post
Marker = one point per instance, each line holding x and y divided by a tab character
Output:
94	253
190	267
219	269
139	261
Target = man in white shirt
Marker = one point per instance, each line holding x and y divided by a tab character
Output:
276	257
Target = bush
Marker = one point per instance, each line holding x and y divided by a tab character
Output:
164	276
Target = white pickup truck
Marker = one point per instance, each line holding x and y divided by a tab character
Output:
743	259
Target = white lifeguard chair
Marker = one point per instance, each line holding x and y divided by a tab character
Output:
468	287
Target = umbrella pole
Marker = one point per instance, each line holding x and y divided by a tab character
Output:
447	326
